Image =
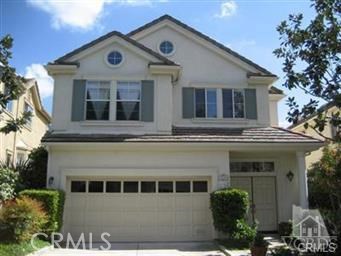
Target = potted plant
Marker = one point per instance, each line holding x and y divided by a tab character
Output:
259	246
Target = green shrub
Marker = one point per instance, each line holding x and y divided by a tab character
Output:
228	206
53	203
33	176
8	183
244	232
21	218
285	228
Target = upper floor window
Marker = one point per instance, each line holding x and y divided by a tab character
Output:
28	108
233	103
115	58
128	100
166	47
206	103
97	100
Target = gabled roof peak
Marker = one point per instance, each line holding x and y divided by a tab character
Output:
64	59
203	36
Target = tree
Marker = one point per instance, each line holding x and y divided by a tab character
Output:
324	181
316	48
13	87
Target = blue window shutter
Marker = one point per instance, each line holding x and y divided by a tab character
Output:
251	103
187	102
78	100
147	100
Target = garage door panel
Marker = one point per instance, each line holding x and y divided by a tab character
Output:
201	217
139	216
147	218
200	202
148	203
183	203
165	202
183	218
165	218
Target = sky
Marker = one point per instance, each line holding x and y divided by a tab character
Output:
44	30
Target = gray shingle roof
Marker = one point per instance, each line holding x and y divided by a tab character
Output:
63	59
193	135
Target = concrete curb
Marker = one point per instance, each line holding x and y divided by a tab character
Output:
41	251
224	250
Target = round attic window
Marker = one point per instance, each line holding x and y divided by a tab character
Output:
115	58
166	47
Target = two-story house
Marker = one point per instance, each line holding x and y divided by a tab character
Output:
16	146
145	125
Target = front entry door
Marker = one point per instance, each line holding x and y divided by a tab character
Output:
262	194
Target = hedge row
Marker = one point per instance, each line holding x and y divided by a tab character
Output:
53	203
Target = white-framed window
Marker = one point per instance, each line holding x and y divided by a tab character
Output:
205	103
114	58
252	166
166	48
28	108
97	99
9	106
21	157
128	101
233	103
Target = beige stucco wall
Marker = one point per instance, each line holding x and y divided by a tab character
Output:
29	137
203	67
135	160
316	155
200	67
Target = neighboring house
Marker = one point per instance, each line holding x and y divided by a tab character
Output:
146	125
329	131
16	146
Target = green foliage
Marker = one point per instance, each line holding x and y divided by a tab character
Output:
8	183
259	240
285	228
229	208
20	249
324	182
317	49
243	232
53	204
21	218
14	86
33	176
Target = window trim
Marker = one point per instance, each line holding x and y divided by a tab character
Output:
108	63
86	100
28	125
116	100
233	106
195	103
166	54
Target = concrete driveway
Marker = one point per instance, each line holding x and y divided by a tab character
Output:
143	249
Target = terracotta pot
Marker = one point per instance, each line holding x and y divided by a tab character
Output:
258	251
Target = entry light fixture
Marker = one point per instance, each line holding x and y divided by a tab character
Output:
290	176
51	179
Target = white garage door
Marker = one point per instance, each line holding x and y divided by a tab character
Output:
167	209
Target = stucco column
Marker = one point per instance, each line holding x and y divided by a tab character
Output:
302	180
224	173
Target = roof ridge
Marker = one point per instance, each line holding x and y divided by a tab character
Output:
200	34
108	35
